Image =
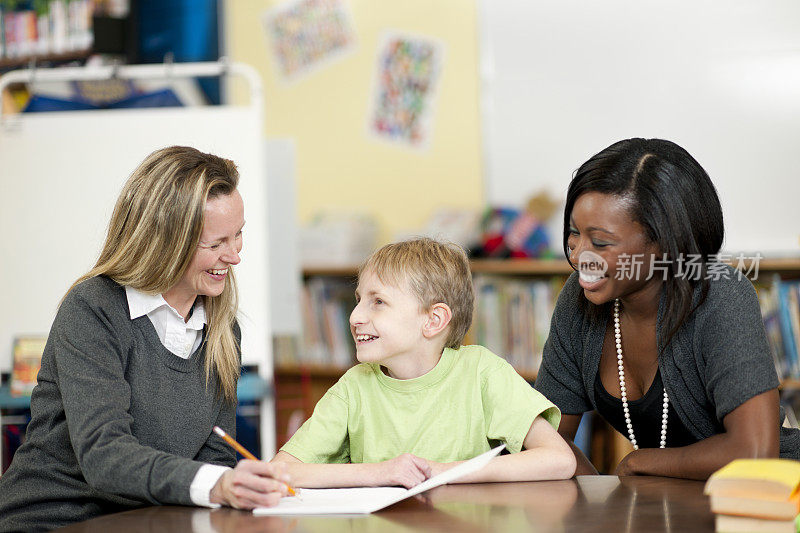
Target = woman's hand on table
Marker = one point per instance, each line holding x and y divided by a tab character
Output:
251	484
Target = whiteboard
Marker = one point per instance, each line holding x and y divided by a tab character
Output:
61	174
563	79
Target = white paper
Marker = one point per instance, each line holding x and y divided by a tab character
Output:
365	500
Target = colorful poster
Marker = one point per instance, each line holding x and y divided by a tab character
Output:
307	34
407	73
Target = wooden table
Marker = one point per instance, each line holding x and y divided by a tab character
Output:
588	503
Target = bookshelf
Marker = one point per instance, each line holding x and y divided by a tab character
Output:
790	384
523	267
789	266
49	31
16	62
513	269
497	269
299	385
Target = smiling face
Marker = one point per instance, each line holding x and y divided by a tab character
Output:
603	234
218	249
387	322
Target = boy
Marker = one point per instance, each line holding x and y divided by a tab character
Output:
419	402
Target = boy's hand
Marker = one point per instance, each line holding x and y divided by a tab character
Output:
406	470
438	468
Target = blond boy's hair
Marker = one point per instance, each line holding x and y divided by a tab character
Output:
436	272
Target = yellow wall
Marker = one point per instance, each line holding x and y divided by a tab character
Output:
338	166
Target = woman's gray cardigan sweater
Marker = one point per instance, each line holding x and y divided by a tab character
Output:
117	421
717	360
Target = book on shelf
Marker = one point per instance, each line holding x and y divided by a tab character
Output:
54	27
512	317
27	355
2	33
325	311
770	313
794	322
780	310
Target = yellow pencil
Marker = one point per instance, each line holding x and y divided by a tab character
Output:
242	450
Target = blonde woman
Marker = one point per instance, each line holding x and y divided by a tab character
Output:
142	361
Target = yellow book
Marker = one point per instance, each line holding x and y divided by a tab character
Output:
758	479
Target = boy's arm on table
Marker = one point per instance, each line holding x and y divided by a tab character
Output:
406	470
545	455
751	431
567	429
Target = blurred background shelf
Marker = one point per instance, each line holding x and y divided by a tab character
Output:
74	55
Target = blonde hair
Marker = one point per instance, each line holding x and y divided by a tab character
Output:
153	235
436	272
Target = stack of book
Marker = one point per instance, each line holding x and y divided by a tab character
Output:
756	495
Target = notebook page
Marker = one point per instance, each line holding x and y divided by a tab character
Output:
368	499
336	501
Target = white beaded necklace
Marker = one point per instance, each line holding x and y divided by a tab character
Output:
665	409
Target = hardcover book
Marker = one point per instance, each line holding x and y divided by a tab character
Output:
27	360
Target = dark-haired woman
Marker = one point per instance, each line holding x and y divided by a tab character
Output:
654	334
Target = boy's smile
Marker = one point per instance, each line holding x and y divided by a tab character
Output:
387	325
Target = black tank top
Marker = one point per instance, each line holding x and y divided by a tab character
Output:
645	416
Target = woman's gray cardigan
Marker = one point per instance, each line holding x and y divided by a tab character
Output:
117	421
717	360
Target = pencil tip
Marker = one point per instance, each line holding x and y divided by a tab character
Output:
218	431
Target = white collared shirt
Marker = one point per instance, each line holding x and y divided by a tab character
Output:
181	338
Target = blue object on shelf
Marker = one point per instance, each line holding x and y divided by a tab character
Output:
186	29
39	104
251	388
160	98
12	402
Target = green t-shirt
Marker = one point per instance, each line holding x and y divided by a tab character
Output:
470	401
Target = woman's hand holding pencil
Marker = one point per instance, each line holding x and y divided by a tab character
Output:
252	483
